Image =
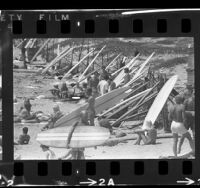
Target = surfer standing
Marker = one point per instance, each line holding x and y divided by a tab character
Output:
189	105
103	85
177	116
91	106
95	82
127	76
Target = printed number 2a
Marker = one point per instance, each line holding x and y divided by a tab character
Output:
110	182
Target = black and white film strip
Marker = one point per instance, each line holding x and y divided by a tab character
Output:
99	97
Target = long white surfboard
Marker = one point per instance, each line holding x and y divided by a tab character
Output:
82	137
160	101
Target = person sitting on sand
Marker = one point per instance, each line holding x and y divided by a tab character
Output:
177	117
56	115
55	91
25	113
91	106
27	104
24	138
78	90
151	134
189	105
63	90
49	153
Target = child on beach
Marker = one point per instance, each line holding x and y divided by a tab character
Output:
177	116
151	134
49	153
24	138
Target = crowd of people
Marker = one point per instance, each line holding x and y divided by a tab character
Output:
180	114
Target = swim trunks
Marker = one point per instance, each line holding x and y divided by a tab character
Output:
178	128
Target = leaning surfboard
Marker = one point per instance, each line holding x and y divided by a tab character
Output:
159	101
82	137
101	103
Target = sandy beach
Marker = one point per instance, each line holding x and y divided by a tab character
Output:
33	151
170	58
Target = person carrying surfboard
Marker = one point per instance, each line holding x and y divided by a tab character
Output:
73	153
177	117
91	106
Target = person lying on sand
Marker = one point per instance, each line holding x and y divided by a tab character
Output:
24	138
55	116
151	134
177	116
49	153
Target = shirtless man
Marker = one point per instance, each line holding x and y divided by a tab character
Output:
177	116
90	108
127	76
189	105
94	83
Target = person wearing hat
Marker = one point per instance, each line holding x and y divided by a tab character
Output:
177	117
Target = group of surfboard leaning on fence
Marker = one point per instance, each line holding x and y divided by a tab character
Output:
133	102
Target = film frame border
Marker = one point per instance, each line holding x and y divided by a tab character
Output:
175	24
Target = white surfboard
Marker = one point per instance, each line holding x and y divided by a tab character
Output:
82	137
159	101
